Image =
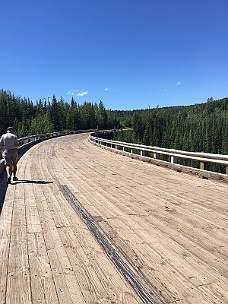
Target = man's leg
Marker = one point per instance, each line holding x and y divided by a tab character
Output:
14	166
14	170
8	168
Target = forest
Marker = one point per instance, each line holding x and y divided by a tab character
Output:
197	128
47	117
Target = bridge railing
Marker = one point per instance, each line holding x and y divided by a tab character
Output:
28	141
25	142
135	150
155	152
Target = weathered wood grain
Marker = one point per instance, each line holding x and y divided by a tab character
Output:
167	229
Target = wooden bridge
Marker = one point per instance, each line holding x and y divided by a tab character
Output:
84	225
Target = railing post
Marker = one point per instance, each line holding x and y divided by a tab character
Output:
156	155
202	165
226	170
173	160
142	152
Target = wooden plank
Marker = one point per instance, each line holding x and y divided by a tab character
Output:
42	285
5	230
18	279
170	227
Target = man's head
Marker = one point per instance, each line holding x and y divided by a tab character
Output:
10	129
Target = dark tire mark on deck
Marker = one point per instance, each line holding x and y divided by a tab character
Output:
136	279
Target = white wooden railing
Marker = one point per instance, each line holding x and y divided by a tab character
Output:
134	150
155	152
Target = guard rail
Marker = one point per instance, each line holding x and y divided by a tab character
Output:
141	152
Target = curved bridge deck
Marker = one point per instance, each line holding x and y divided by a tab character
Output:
83	225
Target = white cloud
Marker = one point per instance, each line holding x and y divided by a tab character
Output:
178	83
71	92
82	93
77	93
106	89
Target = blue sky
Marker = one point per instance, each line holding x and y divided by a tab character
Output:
131	54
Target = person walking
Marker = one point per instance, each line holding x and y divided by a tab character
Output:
10	153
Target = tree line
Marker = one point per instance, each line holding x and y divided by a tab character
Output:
197	128
47	117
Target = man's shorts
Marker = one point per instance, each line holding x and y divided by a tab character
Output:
10	157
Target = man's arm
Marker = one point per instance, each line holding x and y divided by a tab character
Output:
16	142
1	142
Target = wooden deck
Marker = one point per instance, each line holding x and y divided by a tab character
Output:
84	225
